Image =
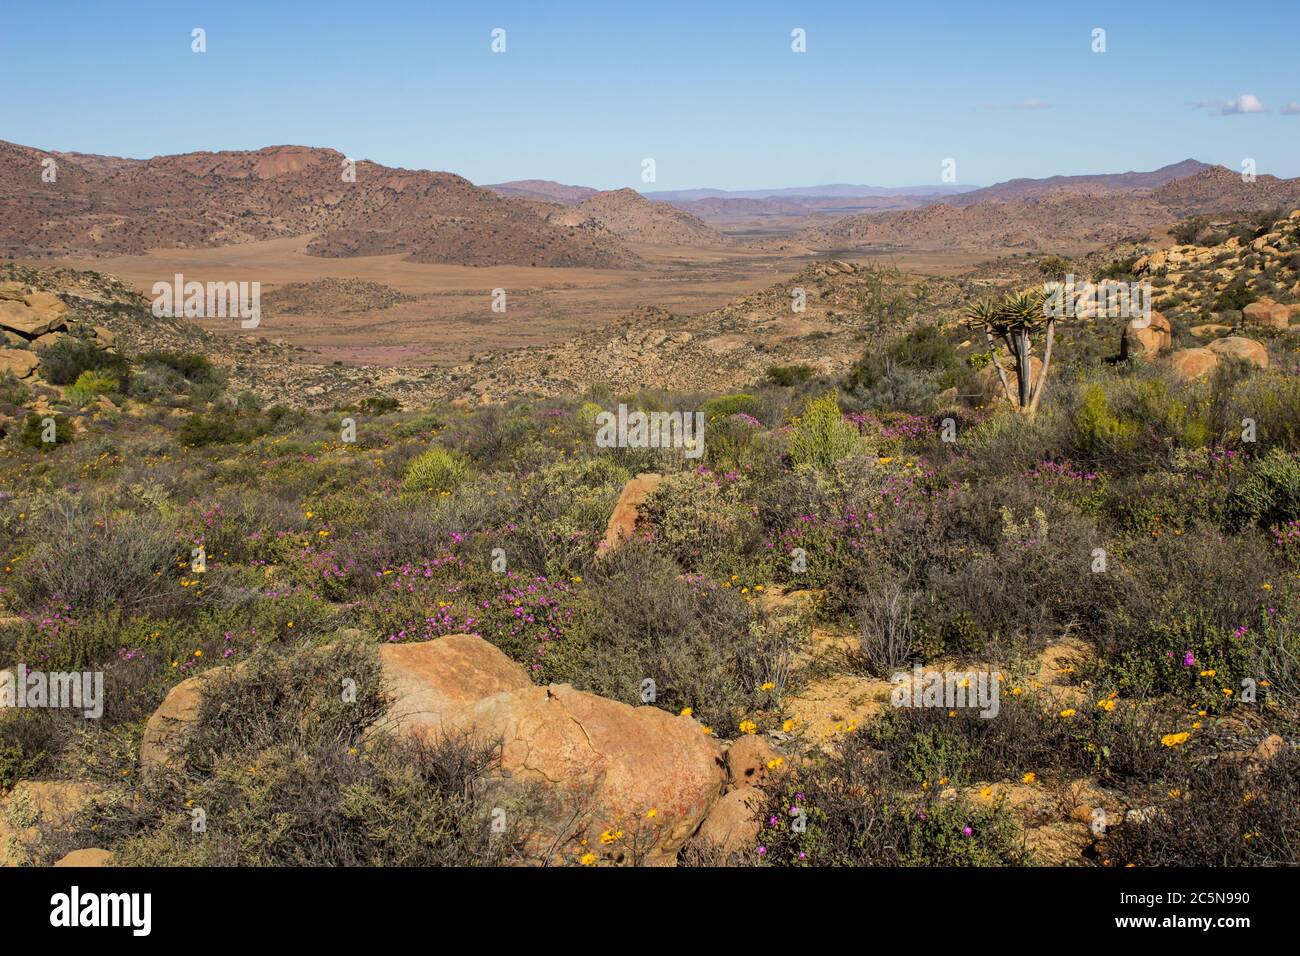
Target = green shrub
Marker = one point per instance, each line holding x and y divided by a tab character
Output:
66	359
13	391
907	374
27	740
221	427
89	386
91	559
1054	267
1189	230
194	367
37	429
698	520
436	470
1223	814
700	643
822	436
1098	431
726	405
379	404
1236	295
1176	655
1270	494
787	375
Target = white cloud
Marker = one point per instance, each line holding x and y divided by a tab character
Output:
1034	104
1290	109
1245	103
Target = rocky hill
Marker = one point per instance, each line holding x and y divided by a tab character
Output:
1256	277
1096	185
330	296
1078	214
1039	224
1217	190
104	205
631	217
543	189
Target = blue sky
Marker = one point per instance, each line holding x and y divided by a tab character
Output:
711	91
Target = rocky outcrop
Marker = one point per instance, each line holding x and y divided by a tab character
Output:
30	314
749	760
433	683
613	764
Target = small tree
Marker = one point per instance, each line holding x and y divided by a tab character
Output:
1014	319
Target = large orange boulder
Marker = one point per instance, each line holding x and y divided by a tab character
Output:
1235	346
622	523
34	314
733	824
18	361
638	770
166	729
600	766
1146	339
432	682
1188	364
1267	314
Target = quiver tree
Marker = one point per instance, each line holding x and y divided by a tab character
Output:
1013	320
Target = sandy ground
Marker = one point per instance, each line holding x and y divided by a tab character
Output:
452	316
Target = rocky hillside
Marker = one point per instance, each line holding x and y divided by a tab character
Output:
1094	185
1217	190
1221	281
1039	224
109	205
847	307
631	217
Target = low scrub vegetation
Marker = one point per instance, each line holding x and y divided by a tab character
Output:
845	532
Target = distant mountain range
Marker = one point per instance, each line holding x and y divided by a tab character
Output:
833	191
558	192
840	199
